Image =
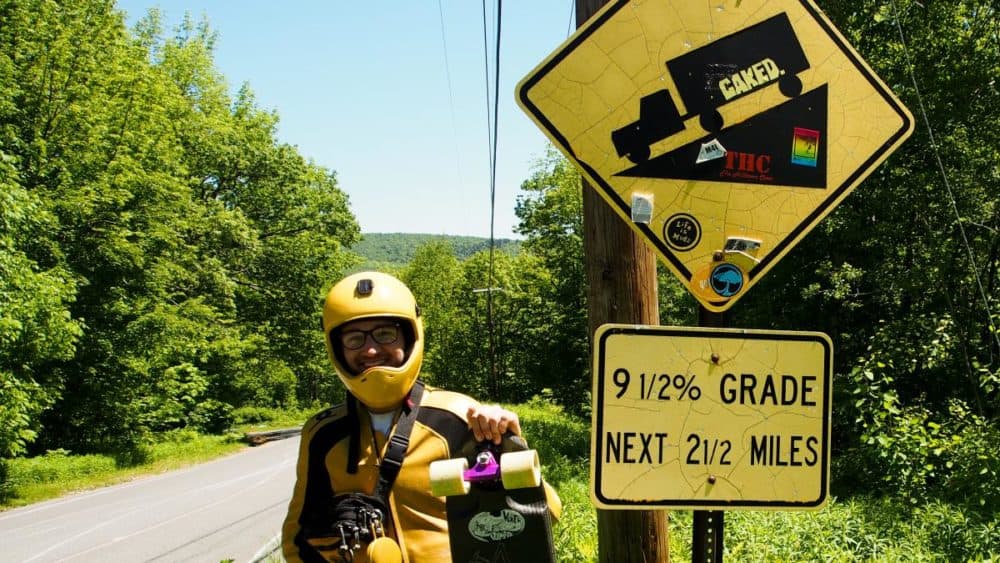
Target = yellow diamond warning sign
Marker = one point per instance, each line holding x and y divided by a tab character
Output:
723	132
710	418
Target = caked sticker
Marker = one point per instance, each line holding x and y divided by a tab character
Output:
496	526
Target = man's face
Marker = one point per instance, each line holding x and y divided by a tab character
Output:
377	347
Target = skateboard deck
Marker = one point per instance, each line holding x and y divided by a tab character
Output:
498	518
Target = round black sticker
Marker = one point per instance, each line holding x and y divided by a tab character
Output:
682	232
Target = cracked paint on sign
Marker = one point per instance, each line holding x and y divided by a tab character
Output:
638	91
710	418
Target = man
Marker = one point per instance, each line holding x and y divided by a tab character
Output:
346	469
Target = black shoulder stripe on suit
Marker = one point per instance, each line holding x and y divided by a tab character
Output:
454	428
318	490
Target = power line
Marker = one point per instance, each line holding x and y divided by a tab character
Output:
451	97
493	134
572	12
944	177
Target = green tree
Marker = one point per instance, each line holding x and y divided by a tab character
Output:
35	324
433	276
156	226
903	275
550	213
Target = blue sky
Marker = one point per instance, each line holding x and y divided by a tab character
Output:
391	99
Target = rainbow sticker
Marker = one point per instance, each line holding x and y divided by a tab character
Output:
805	147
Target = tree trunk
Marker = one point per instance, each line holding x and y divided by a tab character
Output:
621	278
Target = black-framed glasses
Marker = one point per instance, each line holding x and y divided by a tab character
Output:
355	339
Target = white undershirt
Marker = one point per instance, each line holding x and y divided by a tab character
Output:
382	421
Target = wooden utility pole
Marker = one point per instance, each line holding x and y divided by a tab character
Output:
621	278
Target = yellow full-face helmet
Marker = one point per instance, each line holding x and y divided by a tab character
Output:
368	295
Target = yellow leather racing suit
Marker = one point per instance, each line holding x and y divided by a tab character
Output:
418	519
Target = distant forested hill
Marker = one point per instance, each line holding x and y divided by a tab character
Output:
397	249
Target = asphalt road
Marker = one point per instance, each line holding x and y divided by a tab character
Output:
229	508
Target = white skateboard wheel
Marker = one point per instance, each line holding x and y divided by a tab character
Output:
520	470
448	477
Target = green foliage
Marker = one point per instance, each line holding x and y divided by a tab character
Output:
389	252
918	448
162	254
575	534
257	418
174	397
562	440
958	535
59	465
433	276
6	484
35	324
20	404
212	416
56	472
554	319
860	529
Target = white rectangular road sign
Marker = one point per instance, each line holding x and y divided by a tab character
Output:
710	418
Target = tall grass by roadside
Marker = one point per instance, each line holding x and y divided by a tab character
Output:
849	529
563	444
856	529
58	472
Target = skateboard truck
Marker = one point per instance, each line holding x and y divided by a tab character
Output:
486	468
514	470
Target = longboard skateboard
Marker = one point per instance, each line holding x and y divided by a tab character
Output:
496	504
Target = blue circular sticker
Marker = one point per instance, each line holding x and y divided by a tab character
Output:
726	280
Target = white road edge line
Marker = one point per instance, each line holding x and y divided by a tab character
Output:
272	545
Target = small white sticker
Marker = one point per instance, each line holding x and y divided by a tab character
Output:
712	150
642	208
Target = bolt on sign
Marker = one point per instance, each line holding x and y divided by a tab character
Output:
721	131
703	418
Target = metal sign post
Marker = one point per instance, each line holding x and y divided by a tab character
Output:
706	536
707	526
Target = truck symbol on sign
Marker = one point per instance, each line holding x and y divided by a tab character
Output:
711	76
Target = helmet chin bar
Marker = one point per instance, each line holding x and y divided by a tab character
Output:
381	388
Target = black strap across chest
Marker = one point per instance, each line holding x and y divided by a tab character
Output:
392	462
398	443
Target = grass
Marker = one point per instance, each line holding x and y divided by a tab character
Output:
58	473
855	529
850	529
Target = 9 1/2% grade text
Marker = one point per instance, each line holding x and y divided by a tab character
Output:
657	386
